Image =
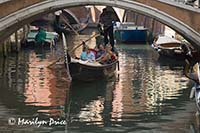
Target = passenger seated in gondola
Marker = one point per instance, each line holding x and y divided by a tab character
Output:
83	55
108	57
101	50
90	54
87	54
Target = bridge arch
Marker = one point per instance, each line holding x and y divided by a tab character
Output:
13	21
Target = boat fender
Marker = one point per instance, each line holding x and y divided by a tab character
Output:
159	50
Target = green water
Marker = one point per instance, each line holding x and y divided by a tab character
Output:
148	94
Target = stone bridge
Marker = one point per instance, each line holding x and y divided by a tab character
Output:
183	19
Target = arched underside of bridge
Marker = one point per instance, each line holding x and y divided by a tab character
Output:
12	22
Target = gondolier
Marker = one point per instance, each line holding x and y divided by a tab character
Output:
107	17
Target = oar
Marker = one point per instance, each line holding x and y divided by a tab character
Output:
74	49
95	35
64	18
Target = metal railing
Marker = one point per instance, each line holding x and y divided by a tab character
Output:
194	3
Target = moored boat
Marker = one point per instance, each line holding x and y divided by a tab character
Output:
128	32
170	47
50	40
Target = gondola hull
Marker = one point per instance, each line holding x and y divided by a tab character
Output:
85	72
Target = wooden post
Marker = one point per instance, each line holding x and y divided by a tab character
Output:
17	41
24	32
151	32
8	45
1	50
145	20
136	18
4	49
124	16
152	24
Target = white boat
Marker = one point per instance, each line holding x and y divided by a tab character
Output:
168	46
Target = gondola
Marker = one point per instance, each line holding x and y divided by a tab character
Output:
89	71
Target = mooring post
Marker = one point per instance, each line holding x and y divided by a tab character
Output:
4	49
17	41
1	49
136	18
145	21
124	19
24	32
152	25
8	45
151	31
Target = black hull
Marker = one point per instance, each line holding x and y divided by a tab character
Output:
33	45
171	54
90	73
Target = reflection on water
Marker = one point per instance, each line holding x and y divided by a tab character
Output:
41	86
144	93
29	89
148	94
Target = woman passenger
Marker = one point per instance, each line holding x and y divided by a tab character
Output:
86	54
101	51
83	55
108	56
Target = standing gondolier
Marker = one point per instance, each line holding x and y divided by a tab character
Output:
107	17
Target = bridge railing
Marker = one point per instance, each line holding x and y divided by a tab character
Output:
193	3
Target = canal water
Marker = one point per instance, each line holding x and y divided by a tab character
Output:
147	94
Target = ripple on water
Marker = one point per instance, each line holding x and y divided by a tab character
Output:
146	95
